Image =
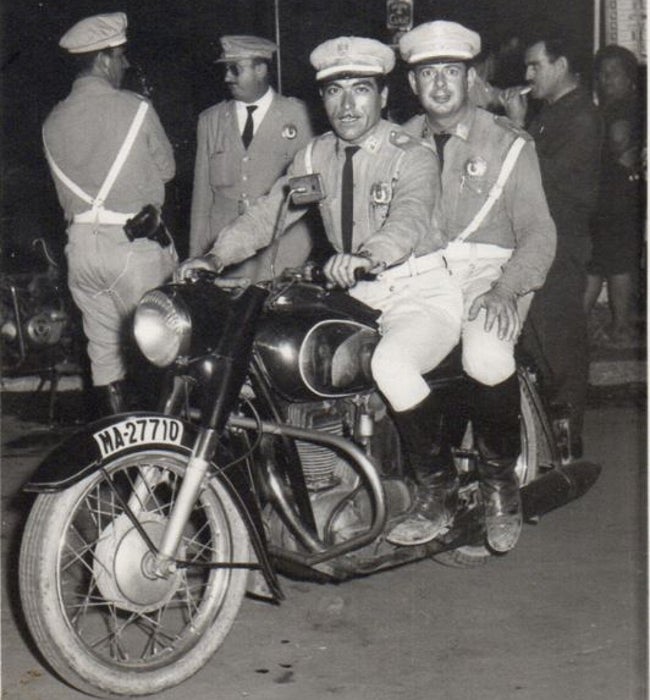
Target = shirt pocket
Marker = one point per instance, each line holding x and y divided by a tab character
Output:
222	169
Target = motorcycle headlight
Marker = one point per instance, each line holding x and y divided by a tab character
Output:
162	328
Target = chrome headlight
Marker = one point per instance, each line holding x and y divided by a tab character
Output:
162	328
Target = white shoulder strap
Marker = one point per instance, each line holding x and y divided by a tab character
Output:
495	192
309	165
121	157
98	201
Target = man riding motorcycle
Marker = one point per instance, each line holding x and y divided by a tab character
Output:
385	224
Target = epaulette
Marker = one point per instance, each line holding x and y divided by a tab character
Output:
507	124
403	140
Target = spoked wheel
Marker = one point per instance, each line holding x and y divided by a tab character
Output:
535	452
99	614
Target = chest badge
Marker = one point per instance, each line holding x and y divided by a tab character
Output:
476	167
289	132
381	193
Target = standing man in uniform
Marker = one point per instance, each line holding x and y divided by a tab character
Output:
501	241
243	146
109	158
568	135
381	186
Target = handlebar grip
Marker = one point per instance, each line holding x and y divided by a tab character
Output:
363	275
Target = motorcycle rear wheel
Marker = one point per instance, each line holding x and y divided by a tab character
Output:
534	453
98	616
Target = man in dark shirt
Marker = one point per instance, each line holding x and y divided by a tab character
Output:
568	135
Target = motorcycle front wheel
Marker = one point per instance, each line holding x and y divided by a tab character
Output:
99	615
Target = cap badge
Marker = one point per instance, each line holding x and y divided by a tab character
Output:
343	47
289	131
476	167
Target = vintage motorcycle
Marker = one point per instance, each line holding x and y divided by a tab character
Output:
272	453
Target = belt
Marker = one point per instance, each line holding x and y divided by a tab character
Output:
414	266
101	216
471	251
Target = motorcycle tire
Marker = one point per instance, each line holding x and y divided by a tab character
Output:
105	625
534	453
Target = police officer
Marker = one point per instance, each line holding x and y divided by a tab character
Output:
243	146
109	157
500	245
381	186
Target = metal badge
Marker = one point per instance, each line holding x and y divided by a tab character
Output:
476	167
381	193
289	131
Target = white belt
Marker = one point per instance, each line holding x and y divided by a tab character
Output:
472	251
101	216
414	266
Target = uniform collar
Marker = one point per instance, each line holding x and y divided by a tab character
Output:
462	129
372	141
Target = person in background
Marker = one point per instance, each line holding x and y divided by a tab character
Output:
243	146
618	227
380	186
568	137
500	244
110	159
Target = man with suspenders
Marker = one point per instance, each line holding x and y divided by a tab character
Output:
500	245
110	158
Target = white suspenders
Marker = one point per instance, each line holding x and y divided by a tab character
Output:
97	213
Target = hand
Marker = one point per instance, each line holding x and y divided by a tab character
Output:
515	104
205	262
340	268
500	306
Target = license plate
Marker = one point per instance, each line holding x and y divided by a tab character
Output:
138	431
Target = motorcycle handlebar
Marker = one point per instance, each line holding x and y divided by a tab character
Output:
316	274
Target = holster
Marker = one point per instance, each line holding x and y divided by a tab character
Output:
148	223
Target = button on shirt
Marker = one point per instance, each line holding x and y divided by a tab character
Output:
395	190
519	219
84	133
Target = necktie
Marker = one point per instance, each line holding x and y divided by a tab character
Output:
247	134
347	200
441	140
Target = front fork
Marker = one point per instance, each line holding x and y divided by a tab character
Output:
190	488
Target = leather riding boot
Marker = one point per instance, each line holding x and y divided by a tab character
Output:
497	433
112	397
434	477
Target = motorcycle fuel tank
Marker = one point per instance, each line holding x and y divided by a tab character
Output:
317	345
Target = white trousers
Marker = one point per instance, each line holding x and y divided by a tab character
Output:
416	311
107	276
474	268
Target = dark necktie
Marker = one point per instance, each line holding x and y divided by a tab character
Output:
347	199
441	140
247	134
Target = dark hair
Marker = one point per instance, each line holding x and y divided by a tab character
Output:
627	59
560	44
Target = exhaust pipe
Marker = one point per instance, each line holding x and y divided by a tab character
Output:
558	487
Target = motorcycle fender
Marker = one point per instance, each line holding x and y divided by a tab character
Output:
88	450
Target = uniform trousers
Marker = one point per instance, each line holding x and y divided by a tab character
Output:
474	267
107	276
417	310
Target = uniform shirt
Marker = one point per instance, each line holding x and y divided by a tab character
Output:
395	188
519	219
262	107
568	136
84	134
227	177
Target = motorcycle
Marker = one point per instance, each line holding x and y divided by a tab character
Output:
272	452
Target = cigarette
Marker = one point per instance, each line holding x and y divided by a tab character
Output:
526	90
